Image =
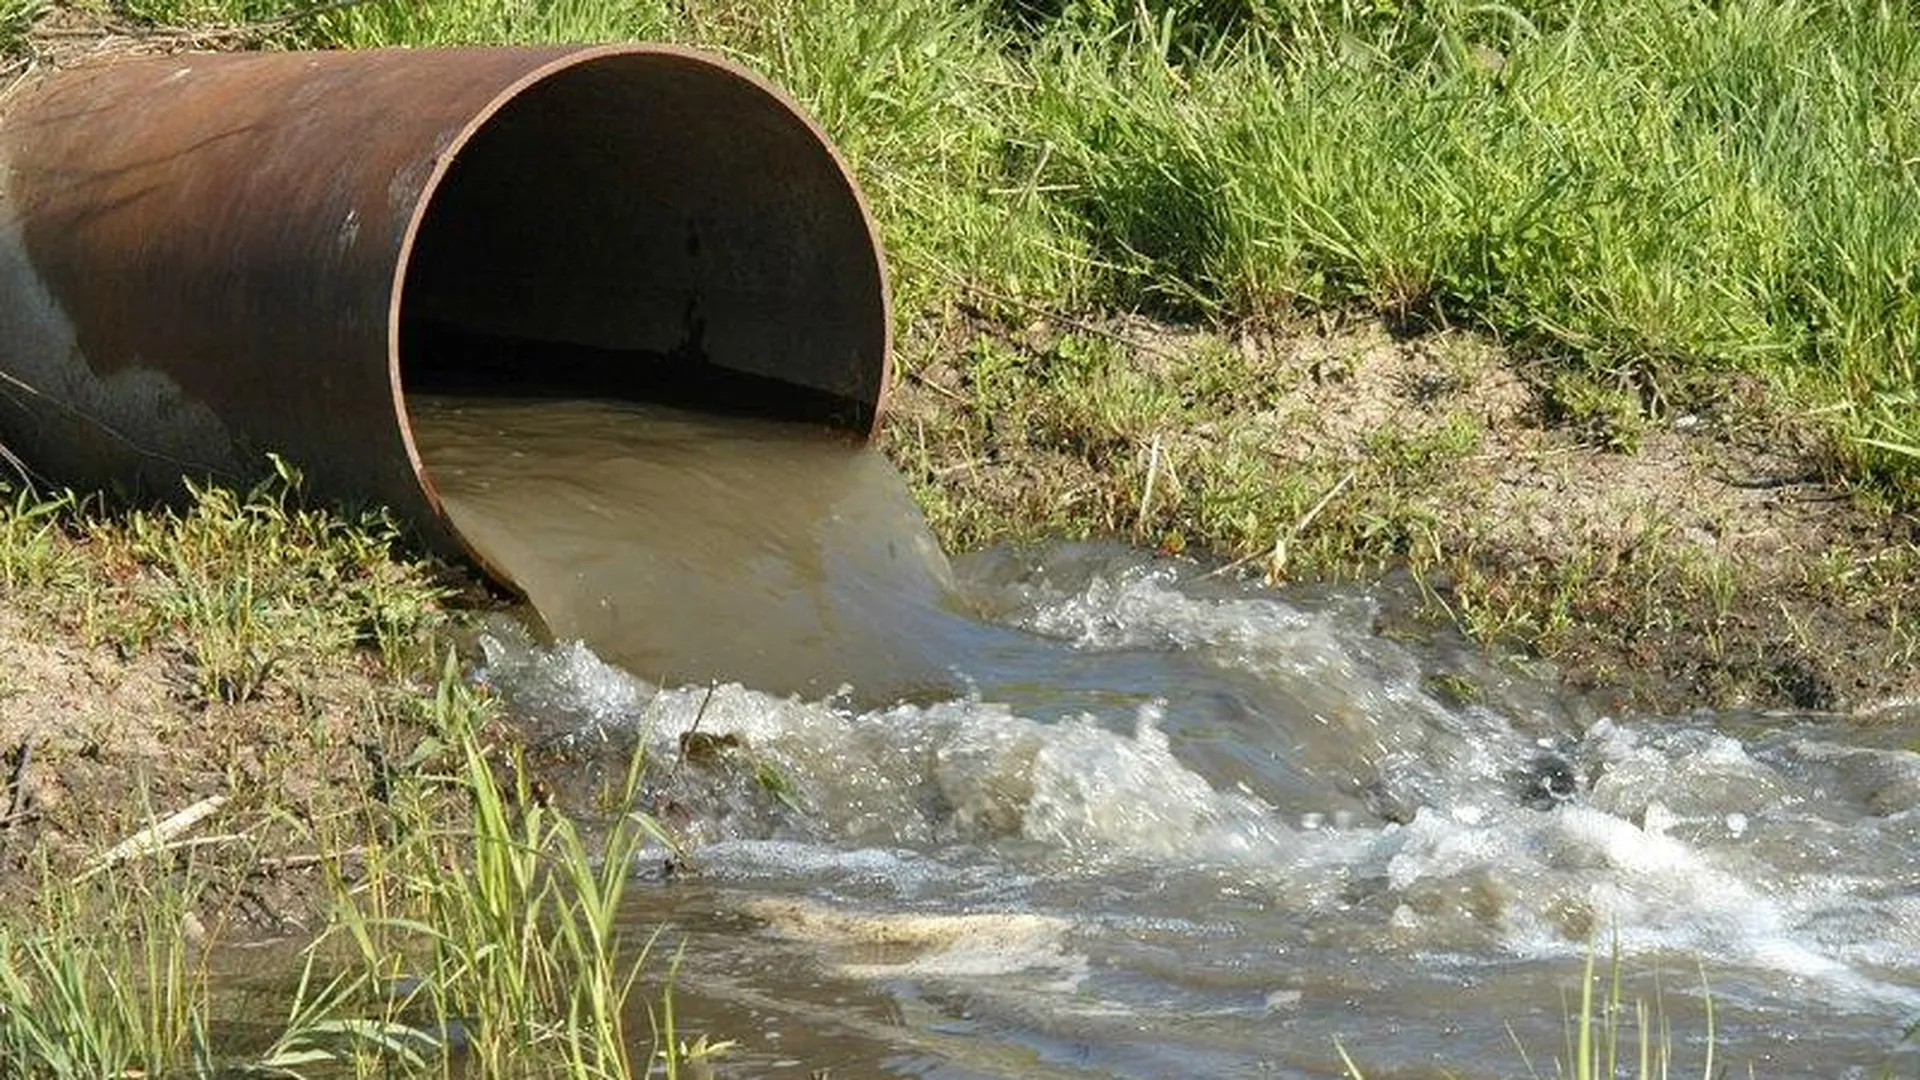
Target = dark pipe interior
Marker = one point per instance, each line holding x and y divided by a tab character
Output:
649	226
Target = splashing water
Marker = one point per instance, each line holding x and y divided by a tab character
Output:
1136	820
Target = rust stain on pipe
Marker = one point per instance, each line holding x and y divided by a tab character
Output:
207	258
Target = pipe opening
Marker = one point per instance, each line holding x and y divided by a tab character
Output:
648	225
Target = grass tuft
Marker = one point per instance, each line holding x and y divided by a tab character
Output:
245	588
519	957
493	947
16	18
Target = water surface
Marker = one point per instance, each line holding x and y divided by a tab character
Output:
690	547
1123	817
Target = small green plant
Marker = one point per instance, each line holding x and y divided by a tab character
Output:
16	16
1606	1035
1414	457
1603	414
35	552
110	983
520	953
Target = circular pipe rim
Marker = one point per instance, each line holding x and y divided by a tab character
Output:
449	156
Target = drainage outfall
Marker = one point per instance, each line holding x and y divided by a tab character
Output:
207	259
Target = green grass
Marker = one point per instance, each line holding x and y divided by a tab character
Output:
15	17
1641	194
520	948
243	587
263	605
510	965
110	984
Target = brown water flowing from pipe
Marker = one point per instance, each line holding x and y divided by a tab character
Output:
692	548
208	259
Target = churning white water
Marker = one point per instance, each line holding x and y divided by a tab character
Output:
1132	819
1201	829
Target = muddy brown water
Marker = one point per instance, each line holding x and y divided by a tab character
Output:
1077	811
688	547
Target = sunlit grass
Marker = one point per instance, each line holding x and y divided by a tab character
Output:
1641	193
485	943
244	586
519	951
15	17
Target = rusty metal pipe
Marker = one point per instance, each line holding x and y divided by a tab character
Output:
208	258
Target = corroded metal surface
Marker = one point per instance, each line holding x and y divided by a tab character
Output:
205	259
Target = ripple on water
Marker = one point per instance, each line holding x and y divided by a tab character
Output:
1143	792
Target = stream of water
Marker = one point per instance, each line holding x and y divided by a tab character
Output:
1079	811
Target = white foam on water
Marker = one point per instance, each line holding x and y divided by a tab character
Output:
1670	882
1351	697
1683	840
1119	796
965	946
955	771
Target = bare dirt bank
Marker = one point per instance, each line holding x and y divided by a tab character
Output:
1673	555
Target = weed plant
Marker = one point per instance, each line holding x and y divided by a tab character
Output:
488	949
78	1004
16	16
518	954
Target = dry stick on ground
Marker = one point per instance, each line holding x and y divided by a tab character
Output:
13	74
19	801
1281	540
284	863
157	836
951	395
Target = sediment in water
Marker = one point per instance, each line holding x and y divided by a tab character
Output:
690	547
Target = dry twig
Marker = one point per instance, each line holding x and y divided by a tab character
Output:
1277	561
159	835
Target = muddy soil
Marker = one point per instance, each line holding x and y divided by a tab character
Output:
108	761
